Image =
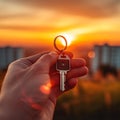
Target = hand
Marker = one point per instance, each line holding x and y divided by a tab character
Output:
31	87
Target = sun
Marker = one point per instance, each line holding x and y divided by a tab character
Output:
69	39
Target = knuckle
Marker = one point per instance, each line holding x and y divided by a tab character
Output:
14	63
11	65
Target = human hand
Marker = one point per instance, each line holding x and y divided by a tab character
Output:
31	86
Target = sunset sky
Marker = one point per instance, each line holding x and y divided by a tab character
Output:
38	22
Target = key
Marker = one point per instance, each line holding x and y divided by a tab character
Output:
63	62
63	66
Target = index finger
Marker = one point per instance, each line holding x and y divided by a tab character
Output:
28	61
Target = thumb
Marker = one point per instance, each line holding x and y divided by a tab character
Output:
44	63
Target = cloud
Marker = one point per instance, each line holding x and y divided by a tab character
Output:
14	16
9	10
26	28
86	8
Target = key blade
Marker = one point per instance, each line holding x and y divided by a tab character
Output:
62	80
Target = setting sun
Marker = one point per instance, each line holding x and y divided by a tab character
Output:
69	39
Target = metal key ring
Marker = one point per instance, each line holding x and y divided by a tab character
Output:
56	45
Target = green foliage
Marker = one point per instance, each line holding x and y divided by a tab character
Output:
90	101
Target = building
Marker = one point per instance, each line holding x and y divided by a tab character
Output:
8	55
105	54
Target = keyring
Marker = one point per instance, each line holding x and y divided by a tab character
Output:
60	50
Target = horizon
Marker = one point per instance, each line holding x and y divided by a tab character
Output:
50	43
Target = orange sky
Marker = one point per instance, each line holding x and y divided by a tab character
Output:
35	23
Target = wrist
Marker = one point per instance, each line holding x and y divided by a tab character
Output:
47	112
12	110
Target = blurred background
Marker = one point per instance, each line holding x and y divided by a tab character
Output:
92	29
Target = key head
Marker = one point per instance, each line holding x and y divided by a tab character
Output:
63	63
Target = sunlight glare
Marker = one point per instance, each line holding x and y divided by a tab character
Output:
69	39
45	88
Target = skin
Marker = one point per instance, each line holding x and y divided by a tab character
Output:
31	87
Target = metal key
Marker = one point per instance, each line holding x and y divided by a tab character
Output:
63	66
